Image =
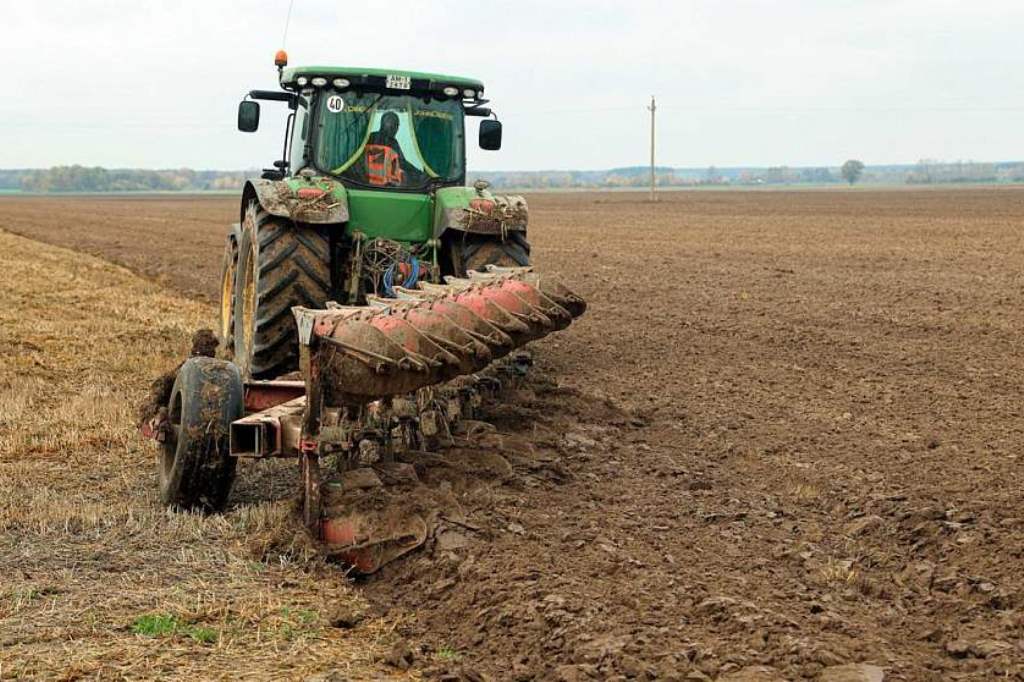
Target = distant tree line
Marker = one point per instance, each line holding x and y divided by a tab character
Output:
852	171
929	171
97	179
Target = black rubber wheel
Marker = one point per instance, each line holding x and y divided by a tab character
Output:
474	251
195	468
280	265
228	270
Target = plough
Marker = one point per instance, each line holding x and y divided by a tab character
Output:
373	380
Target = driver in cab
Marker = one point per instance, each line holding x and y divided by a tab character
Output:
386	165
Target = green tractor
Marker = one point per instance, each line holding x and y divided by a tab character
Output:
402	297
369	195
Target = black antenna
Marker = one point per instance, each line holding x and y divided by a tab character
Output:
281	58
287	21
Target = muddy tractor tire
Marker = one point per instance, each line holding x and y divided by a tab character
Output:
228	271
195	467
474	251
280	265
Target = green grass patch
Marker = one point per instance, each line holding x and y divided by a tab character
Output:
295	623
155	625
201	634
447	653
166	625
302	616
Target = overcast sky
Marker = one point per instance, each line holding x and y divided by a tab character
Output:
800	82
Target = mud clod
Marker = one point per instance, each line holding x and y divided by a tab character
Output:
853	672
204	344
359	479
346	616
400	656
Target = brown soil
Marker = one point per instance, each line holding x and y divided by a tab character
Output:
785	434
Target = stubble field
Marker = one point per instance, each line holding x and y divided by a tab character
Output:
784	438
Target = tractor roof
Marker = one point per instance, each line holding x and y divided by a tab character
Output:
357	73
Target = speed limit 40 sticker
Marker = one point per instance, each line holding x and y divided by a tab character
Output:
335	103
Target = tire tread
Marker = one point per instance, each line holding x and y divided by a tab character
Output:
294	270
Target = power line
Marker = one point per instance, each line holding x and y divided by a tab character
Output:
536	112
830	110
726	108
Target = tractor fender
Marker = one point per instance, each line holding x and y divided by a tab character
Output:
477	211
315	200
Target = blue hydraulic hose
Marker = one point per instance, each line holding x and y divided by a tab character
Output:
410	281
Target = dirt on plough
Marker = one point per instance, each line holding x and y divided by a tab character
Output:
784	439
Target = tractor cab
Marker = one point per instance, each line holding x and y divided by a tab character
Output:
375	129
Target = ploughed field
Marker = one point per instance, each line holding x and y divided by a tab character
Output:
785	437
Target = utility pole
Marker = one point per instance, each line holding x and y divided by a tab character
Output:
652	109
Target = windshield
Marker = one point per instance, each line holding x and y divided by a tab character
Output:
396	141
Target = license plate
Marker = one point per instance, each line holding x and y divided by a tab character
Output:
399	82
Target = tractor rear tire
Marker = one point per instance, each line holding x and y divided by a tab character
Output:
475	251
280	265
228	270
196	469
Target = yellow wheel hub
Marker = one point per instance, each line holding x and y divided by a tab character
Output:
227	298
249	302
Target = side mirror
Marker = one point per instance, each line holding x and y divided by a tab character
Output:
490	134
248	116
